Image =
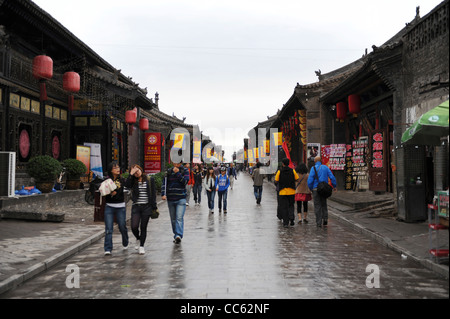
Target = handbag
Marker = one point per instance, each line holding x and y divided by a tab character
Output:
323	188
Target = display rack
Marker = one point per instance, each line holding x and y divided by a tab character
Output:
434	227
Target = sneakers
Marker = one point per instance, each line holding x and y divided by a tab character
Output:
107	253
138	244
141	250
177	240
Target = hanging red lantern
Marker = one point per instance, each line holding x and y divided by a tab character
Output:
130	116
341	111
42	71
354	104
143	124
71	83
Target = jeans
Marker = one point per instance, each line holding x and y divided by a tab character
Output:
188	192
176	212
320	207
258	193
120	214
223	196
140	215
197	193
211	196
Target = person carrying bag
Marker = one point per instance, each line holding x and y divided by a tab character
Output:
318	180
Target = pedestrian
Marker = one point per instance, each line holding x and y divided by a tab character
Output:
143	196
320	173
232	173
198	181
209	182
190	184
286	178
302	193
115	207
173	190
222	184
257	183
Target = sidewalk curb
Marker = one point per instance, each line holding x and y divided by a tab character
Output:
15	280
36	269
439	269
387	242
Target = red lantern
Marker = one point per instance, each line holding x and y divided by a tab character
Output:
130	116
143	124
42	70
354	104
341	111
71	83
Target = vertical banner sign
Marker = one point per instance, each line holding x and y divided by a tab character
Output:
84	155
377	150
179	140
197	152
152	153
96	159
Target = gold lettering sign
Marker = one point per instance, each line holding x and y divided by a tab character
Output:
35	107
25	103
14	100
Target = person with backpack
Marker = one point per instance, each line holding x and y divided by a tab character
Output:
286	178
320	173
222	184
257	183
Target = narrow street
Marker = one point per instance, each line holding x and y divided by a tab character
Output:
243	254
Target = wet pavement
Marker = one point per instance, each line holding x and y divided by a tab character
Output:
245	254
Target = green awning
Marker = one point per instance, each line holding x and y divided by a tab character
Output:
429	128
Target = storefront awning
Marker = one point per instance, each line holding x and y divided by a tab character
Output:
429	128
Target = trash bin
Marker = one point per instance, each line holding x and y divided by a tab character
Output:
99	207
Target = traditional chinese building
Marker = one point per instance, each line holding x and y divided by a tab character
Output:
40	114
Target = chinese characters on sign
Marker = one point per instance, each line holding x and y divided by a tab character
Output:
152	153
377	150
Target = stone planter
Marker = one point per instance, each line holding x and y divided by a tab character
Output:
45	187
73	184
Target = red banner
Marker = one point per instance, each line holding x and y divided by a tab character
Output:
152	153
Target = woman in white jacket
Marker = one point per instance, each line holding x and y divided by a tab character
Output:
209	183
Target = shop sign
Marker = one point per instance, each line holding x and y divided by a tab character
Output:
377	150
152	153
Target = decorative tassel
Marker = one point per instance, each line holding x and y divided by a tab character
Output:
43	90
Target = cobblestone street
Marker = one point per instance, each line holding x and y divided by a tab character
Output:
243	254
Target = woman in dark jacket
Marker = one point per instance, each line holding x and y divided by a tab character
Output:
143	195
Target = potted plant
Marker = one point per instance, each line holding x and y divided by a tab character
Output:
44	169
73	170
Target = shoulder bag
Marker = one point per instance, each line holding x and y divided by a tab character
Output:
323	188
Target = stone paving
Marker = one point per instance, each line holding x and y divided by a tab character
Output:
245	254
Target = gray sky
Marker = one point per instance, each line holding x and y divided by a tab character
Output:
227	65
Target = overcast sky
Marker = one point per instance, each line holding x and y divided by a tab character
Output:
227	65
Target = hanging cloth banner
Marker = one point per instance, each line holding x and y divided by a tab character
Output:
286	150
179	140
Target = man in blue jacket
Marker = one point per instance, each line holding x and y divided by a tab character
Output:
222	182
174	190
320	203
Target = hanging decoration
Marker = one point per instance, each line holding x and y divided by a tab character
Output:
130	119
354	104
42	71
302	125
341	111
71	83
143	124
